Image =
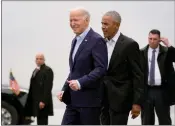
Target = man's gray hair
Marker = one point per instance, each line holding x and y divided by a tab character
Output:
85	13
115	15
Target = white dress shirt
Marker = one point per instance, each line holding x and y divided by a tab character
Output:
157	71
111	44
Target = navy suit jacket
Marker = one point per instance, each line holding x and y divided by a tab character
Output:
89	67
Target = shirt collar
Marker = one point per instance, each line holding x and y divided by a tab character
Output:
157	49
38	67
115	38
83	35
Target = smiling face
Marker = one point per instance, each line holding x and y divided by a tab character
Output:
78	21
109	26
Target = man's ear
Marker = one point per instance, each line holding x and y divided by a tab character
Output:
117	25
87	19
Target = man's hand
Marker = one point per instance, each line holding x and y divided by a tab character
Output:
41	105
73	85
60	95
165	42
135	112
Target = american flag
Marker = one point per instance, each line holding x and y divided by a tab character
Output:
13	84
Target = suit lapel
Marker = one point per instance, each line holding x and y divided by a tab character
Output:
82	45
80	48
161	59
35	72
71	51
145	52
116	50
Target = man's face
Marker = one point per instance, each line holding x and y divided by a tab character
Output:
109	27
154	40
78	22
39	60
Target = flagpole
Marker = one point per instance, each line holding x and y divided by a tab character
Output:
10	80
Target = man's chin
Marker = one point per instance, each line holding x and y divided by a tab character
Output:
77	33
105	36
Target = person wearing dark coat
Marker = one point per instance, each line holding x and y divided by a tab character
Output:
39	102
123	82
159	90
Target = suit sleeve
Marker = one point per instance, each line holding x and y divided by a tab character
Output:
48	84
65	86
136	73
171	53
100	61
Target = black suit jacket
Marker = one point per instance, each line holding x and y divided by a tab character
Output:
165	59
124	79
40	91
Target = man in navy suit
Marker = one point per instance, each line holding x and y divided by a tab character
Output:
88	64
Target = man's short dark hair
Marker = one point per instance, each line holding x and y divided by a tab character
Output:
155	31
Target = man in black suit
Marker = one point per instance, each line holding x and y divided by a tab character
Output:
157	63
39	102
88	64
124	79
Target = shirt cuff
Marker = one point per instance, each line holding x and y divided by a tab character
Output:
79	86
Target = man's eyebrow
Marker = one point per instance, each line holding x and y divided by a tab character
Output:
39	58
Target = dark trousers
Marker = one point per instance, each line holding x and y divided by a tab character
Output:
118	118
42	120
104	116
111	117
81	116
155	100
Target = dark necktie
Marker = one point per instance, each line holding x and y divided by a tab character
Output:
152	69
73	47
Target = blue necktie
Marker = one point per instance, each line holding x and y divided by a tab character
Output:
152	69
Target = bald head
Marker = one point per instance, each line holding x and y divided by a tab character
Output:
79	20
40	60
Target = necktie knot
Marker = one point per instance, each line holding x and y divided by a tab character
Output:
154	50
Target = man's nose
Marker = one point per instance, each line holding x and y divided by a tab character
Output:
152	41
72	23
103	27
